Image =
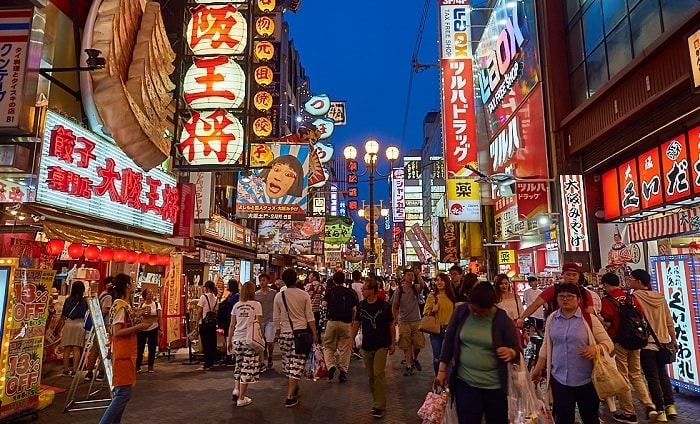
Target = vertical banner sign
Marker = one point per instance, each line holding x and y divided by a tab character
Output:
15	26
416	246
676	277
449	241
694	53
574	216
174	310
23	336
398	194
459	119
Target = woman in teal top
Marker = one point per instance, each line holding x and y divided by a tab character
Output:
480	341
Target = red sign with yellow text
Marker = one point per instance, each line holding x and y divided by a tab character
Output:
649	167
629	187
675	168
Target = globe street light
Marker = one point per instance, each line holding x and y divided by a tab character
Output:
370	158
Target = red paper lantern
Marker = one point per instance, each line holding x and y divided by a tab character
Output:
75	250
143	257
131	256
106	254
92	253
119	255
152	260
164	260
55	246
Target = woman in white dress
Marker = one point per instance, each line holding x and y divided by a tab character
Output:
506	299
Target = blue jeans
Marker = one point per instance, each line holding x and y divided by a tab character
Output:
436	343
113	414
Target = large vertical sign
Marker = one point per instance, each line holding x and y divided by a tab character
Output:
398	194
15	26
458	117
574	215
676	277
449	241
21	356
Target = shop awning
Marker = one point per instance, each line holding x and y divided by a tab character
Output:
225	248
680	222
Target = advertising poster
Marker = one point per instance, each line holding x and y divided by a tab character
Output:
279	189
449	241
101	336
676	277
172	299
15	28
27	293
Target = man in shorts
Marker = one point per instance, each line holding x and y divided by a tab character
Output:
266	296
406	310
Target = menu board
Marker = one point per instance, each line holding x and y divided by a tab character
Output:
101	338
27	296
677	277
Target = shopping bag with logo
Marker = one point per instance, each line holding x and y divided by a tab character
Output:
607	380
309	368
433	407
320	367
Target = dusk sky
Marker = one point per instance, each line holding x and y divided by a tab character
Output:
361	53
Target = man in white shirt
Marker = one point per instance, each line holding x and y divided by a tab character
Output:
357	285
529	297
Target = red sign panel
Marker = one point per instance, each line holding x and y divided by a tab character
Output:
694	157
459	120
184	226
532	198
674	165
611	194
649	168
629	187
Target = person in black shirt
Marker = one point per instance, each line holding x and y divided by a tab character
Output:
378	339
341	303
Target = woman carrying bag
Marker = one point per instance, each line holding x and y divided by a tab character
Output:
571	342
73	337
441	304
208	302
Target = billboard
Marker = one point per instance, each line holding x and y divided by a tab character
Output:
575	224
398	196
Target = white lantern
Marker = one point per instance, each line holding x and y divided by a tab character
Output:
212	138
217	30
214	82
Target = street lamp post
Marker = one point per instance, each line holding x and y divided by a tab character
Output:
370	158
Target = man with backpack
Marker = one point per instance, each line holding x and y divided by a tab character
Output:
406	309
341	303
624	320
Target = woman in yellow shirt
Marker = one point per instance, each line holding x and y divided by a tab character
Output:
440	303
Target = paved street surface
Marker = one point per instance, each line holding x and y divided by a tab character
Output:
176	393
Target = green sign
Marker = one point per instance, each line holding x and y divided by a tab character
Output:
338	229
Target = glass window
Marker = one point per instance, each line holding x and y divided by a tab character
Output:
572	6
575	50
646	24
593	24
619	48
675	10
613	11
596	69
578	86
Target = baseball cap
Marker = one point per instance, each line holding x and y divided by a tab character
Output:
570	266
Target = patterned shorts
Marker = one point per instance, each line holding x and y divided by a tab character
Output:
247	362
292	364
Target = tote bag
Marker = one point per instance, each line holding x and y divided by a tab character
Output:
254	336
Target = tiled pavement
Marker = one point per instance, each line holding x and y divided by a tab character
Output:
176	393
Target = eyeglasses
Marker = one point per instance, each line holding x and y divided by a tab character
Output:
566	296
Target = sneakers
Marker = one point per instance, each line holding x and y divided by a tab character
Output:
417	365
100	376
263	368
150	369
622	418
234	395
652	414
88	376
661	418
377	413
331	373
245	400
343	377
357	355
65	373
408	372
291	402
138	370
671	411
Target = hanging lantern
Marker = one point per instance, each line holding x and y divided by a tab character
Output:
143	257
152	260
164	260
131	256
55	246
106	254
92	252
75	250
119	255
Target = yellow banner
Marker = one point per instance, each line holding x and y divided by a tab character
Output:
463	200
172	302
506	257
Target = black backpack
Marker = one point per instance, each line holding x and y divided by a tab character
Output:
340	302
633	332
210	319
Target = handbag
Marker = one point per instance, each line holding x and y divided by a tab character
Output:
302	338
429	323
523	406
607	380
433	407
667	351
254	336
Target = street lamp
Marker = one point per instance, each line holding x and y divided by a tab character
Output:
370	158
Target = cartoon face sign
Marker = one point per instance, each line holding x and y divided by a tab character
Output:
279	180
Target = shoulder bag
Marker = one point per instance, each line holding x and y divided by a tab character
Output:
667	351
429	323
302	338
210	318
254	335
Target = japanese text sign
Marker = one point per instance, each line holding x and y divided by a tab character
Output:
338	229
398	194
506	257
449	241
649	168
629	186
694	157
531	198
675	168
676	277
15	26
463	200
81	172
574	215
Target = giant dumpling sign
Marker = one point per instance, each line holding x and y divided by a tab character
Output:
338	229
